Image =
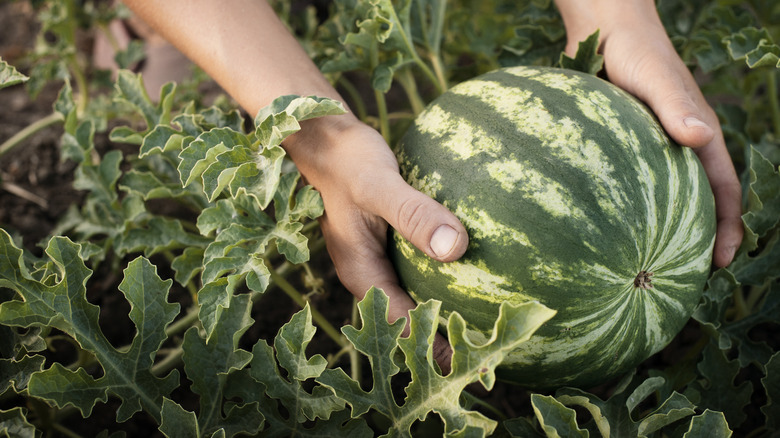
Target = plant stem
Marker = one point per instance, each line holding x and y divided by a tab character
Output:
354	357
774	100
438	69
379	97
171	361
416	57
81	84
740	305
64	430
183	323
406	79
356	100
318	318
28	131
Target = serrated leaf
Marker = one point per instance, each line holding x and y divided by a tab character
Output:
429	390
587	59
132	54
207	362
290	242
715	301
759	268
16	373
187	264
130	88
674	408
292	205
711	52
80	144
710	424
717	390
755	46
100	179
771	383
280	118
163	138
258	178
148	186
241	210
763	198
9	75
213	299
246	388
615	417
203	151
290	344
556	419
156	235
61	303
14	424
522	427
178	422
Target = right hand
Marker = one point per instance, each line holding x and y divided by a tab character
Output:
356	173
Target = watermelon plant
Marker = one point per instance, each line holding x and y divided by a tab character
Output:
185	291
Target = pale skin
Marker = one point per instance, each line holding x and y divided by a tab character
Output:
249	52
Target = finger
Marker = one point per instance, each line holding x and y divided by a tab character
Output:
422	221
728	201
361	263
672	94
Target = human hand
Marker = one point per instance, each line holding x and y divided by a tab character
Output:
356	173
640	58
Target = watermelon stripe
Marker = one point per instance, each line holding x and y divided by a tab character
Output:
569	189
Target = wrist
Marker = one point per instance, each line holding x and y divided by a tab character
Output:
583	17
313	147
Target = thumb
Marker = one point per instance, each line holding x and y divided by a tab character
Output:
683	119
422	221
673	95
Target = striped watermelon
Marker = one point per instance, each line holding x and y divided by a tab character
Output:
572	195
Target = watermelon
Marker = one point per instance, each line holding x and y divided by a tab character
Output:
573	196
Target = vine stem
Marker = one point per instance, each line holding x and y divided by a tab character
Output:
381	103
774	101
318	318
65	431
438	69
406	79
356	100
354	357
30	130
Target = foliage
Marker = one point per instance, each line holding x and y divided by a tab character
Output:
189	202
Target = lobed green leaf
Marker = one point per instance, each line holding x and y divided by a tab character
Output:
9	75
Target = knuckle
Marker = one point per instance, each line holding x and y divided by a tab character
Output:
412	217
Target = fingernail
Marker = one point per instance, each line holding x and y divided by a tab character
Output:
443	240
693	122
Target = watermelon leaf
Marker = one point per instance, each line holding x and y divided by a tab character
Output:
208	362
771	383
615	417
60	301
710	424
13	423
716	390
428	388
587	59
9	75
555	418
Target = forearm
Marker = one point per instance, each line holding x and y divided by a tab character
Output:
243	46
239	43
582	17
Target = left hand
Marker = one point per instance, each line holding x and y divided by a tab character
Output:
640	58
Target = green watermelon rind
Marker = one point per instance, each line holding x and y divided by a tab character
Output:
569	189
